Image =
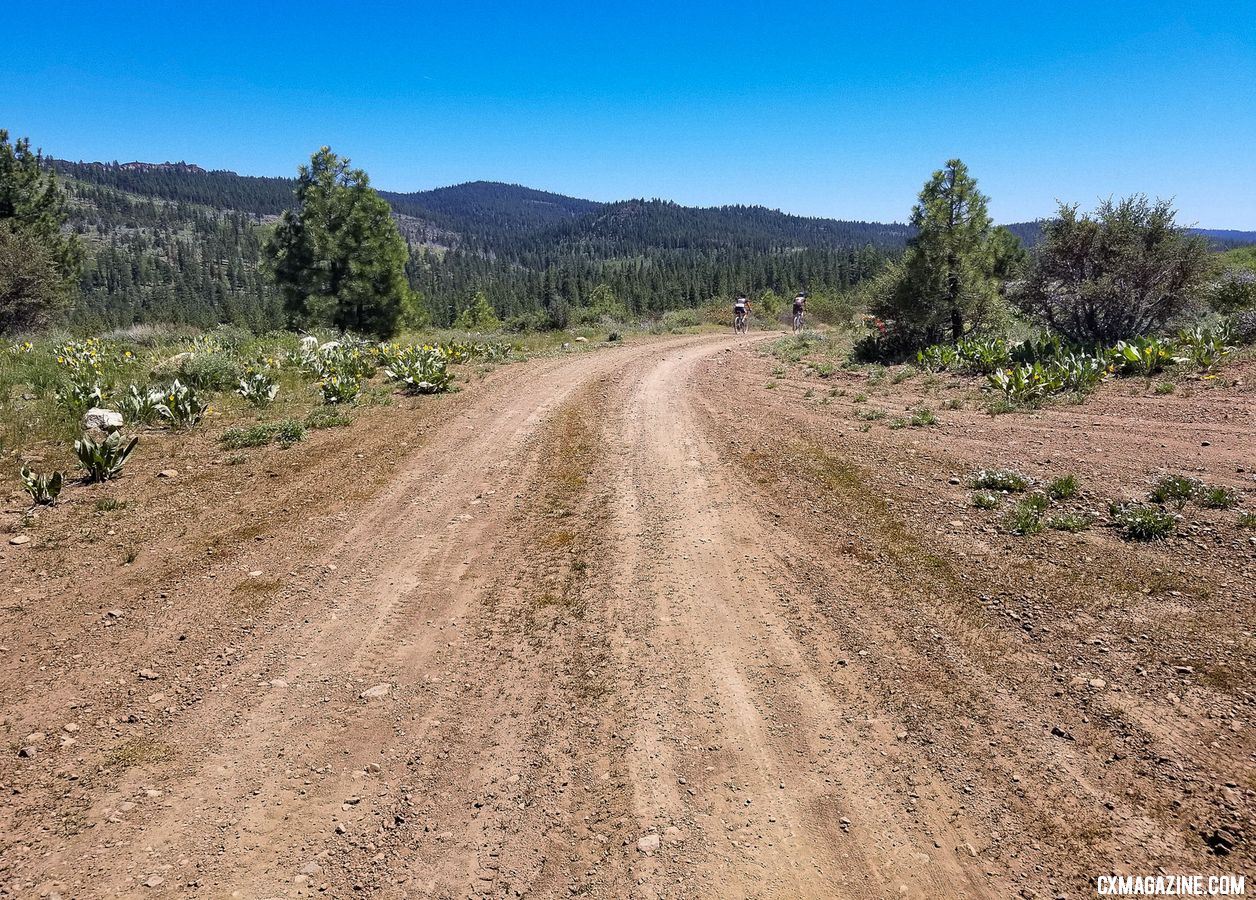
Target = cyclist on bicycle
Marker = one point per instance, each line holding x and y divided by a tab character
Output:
741	306
800	304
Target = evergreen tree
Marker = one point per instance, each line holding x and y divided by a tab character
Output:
38	263
948	280
478	315
338	258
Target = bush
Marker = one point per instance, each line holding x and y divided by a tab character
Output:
1025	517
421	370
103	459
1174	489
209	370
340	388
986	500
1146	523
1247	520
1126	271
1235	290
141	405
43	489
1073	522
1000	480
1217	498
182	406
258	387
1063	488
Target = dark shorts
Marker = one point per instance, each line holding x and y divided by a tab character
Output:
739	310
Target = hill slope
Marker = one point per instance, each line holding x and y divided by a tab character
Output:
175	242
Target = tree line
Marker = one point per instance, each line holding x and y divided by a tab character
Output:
88	251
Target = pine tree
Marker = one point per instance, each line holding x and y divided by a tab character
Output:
338	258
38	263
948	264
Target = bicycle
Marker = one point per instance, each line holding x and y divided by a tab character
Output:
798	326
739	322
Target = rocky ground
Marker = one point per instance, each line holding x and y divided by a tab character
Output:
675	619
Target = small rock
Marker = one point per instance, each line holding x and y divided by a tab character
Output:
149	675
154	881
35	737
648	844
20	539
378	692
954	479
1097	683
340	828
27	753
168	473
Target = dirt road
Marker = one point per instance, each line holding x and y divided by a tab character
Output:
610	625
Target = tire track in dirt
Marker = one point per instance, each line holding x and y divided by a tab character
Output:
778	784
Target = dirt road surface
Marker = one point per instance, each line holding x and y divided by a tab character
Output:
640	622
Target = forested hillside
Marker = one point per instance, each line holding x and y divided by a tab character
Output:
173	242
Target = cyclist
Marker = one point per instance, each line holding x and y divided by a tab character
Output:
741	306
800	305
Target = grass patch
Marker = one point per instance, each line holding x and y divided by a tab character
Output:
109	504
1145	523
1166	387
1174	489
870	415
138	751
1000	480
327	417
285	433
1025	517
1247	520
1217	498
1073	522
1063	488
986	500
922	417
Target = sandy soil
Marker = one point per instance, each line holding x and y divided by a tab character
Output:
650	621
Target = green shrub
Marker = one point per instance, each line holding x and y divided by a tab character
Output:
104	459
258	387
327	417
1247	520
1143	356
340	388
286	433
209	370
1025	517
1000	480
870	415
181	405
1216	498
1078	521
140	405
43	489
1174	489
986	500
1146	523
1166	387
1063	488
922	417
421	370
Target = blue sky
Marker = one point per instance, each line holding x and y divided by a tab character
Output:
835	109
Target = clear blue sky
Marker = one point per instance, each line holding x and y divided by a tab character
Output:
835	109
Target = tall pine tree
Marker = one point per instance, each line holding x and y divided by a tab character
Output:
338	258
